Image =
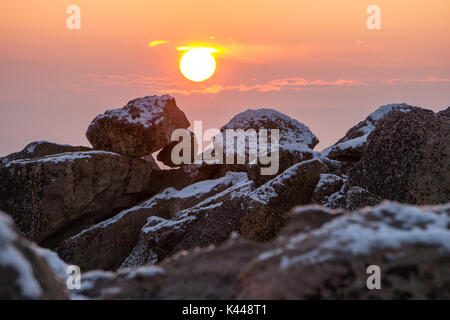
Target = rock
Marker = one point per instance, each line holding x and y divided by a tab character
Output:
143	126
296	141
201	274
161	237
409	244
354	198
350	147
407	158
303	219
53	197
257	215
327	185
165	155
444	113
24	273
106	244
39	149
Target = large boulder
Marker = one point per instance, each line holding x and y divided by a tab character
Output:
106	244
39	149
296	142
52	197
407	158
24	269
410	245
351	147
142	127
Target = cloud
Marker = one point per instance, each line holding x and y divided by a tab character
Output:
157	43
164	85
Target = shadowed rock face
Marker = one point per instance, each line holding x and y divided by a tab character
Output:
257	215
55	196
407	158
409	244
106	245
39	149
142	127
350	148
24	273
319	254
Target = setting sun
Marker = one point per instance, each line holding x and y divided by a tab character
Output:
198	64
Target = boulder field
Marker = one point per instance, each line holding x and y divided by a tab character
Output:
378	196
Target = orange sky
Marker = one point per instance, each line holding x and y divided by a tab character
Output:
314	60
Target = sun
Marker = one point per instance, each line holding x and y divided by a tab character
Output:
198	64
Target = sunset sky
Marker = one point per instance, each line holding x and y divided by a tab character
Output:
314	60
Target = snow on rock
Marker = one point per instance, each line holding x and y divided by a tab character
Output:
106	244
39	149
291	131
142	127
24	273
327	185
46	195
411	245
160	236
351	146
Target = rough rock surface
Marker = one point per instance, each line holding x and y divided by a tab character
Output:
39	149
106	244
24	271
327	185
320	254
257	215
165	155
161	237
352	199
351	146
296	141
142	127
407	158
54	196
203	274
409	244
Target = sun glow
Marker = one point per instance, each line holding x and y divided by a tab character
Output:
198	63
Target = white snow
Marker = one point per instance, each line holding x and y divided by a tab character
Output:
390	225
62	157
195	190
143	271
369	126
55	263
291	130
149	111
267	191
11	257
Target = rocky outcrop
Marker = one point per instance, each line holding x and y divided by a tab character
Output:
407	158
53	197
106	244
161	237
350	147
257	215
408	244
24	270
320	254
143	126
39	149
